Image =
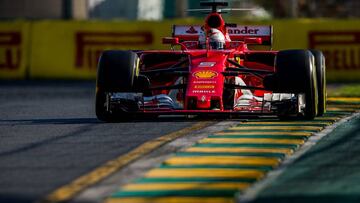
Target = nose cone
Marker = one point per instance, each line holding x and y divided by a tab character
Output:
206	83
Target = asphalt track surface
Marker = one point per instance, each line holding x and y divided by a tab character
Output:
49	136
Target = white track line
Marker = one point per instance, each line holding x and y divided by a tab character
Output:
251	193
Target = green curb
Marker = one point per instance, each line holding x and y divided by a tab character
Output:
169	193
262	168
250	154
288	146
297	137
185	180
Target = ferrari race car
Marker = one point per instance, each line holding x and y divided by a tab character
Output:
211	72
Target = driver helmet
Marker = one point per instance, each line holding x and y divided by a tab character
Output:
216	39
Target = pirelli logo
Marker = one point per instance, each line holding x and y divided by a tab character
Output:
341	48
10	50
89	45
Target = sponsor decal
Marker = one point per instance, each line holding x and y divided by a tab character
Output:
10	50
181	30
191	44
341	48
204	82
235	30
243	30
203	98
205	74
235	44
203	91
204	86
191	30
236	33
207	64
90	45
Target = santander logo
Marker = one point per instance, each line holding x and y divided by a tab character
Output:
244	30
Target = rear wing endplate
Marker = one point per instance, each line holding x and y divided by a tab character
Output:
236	32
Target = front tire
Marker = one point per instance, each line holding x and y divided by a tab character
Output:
117	71
321	80
296	73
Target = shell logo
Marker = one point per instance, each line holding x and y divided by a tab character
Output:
205	74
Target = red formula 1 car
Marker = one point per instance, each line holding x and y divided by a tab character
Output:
213	72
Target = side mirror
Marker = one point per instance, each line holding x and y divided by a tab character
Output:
170	40
253	40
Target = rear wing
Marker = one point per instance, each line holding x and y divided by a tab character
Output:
236	32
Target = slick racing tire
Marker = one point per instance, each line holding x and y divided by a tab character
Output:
321	80
116	73
117	70
296	73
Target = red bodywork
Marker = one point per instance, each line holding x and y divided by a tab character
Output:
201	81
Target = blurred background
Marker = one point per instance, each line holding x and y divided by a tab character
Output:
168	9
62	39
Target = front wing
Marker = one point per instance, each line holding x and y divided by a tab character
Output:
270	104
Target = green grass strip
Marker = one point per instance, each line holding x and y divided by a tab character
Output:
342	102
345	90
337	115
339	112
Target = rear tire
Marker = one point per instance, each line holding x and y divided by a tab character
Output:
116	73
321	80
296	73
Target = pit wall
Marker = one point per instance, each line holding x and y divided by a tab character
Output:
70	49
